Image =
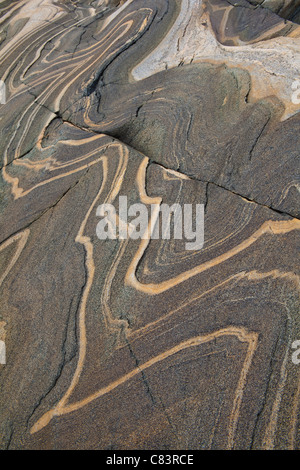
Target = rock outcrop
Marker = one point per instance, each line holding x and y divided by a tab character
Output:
142	344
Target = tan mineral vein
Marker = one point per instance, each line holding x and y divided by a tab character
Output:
21	240
274	64
271	428
19	192
269	227
250	275
240	333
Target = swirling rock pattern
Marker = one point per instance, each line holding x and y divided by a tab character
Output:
126	344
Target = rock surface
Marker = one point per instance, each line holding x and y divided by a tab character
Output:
142	344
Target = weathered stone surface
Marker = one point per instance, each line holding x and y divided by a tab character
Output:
142	344
288	9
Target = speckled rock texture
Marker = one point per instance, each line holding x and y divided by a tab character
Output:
143	344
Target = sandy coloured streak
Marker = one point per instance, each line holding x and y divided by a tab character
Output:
270	431
106	48
38	13
21	239
268	227
62	407
18	192
199	44
52	164
250	276
62	80
90	265
242	335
